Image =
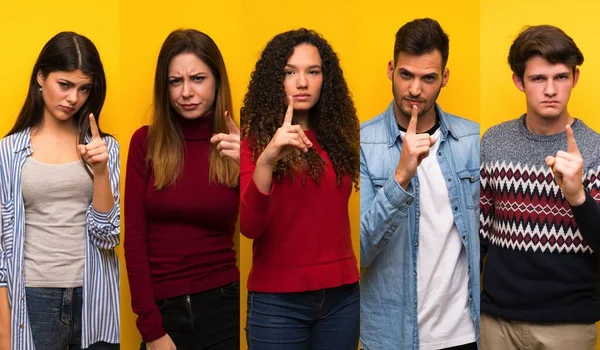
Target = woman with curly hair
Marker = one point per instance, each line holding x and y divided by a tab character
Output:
299	162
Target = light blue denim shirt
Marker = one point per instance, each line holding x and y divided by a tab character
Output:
389	226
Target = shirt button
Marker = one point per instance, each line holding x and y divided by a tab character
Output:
416	244
418	214
415	273
440	154
455	208
21	326
394	227
449	179
464	238
409	201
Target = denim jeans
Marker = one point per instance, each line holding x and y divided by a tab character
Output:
323	319
208	320
55	318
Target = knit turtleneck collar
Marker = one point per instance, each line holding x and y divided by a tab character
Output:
196	129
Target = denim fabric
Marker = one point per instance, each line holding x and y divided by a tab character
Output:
390	220
319	320
208	320
55	319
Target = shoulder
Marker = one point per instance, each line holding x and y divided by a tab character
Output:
141	134
501	131
374	129
462	127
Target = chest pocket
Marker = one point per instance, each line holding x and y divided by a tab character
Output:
378	183
469	180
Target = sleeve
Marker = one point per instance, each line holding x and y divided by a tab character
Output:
254	205
5	214
486	205
587	215
382	212
149	321
105	228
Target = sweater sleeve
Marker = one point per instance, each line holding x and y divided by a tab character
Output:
587	215
149	321
486	203
254	205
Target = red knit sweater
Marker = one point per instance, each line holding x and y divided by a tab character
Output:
179	240
301	229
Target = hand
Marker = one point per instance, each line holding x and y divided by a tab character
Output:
567	168
163	343
228	145
415	147
95	153
286	139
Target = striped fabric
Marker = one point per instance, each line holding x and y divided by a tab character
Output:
100	316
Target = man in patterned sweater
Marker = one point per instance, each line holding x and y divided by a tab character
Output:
539	221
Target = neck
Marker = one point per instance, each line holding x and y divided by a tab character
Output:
547	126
54	126
196	129
424	122
302	119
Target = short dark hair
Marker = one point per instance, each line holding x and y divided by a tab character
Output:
546	41
422	36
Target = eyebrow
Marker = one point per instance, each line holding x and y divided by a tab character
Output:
546	75
404	70
70	83
309	67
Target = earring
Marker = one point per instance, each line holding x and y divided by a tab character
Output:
40	89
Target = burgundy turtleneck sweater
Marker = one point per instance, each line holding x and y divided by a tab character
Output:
178	240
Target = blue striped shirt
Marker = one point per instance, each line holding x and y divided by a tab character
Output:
100	314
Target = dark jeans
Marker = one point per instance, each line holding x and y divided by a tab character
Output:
323	319
208	320
55	319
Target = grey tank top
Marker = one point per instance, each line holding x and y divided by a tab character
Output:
56	198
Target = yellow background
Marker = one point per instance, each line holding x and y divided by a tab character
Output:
129	34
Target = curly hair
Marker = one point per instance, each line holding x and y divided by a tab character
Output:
333	117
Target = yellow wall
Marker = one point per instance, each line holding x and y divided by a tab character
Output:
501	22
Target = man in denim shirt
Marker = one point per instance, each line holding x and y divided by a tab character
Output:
419	208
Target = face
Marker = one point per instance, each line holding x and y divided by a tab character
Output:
192	86
64	93
417	80
547	87
304	77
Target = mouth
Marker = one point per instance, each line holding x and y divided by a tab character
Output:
301	96
189	106
67	109
550	102
413	102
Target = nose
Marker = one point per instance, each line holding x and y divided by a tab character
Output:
72	96
550	89
301	81
187	91
415	87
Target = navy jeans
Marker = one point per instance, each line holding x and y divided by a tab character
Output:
55	319
322	319
208	320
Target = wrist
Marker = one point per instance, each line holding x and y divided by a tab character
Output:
263	162
402	180
578	198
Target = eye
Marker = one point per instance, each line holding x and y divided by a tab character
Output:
175	81
405	75
288	72
536	79
86	89
198	79
562	77
63	85
314	72
429	79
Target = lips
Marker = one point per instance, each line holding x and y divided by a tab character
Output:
301	96
189	106
66	109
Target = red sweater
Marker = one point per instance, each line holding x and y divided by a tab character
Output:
179	240
301	229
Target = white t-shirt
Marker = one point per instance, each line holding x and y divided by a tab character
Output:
442	268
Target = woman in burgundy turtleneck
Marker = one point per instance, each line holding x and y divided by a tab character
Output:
181	203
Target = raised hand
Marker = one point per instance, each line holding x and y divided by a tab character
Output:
228	145
286	139
95	153
567	168
415	147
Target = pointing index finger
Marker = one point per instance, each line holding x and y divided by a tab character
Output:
412	124
233	129
289	113
571	143
94	127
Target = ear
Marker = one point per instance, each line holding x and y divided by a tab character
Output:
390	70
445	77
518	82
40	78
575	77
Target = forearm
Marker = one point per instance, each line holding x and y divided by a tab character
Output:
103	199
263	176
4	320
587	217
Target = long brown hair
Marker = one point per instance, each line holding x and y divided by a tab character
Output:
66	51
165	139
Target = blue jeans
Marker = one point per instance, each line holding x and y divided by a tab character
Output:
55	318
322	319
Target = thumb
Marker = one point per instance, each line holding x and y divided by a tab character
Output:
82	150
